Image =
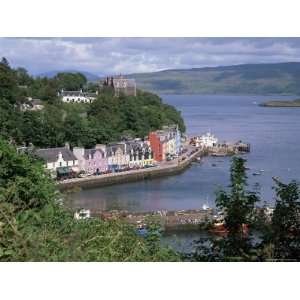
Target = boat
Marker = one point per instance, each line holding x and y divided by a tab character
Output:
256	173
205	206
82	214
213	165
220	229
198	159
218	154
262	170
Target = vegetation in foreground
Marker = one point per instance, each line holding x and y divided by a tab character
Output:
34	226
274	239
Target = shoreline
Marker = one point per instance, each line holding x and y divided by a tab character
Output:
171	169
281	103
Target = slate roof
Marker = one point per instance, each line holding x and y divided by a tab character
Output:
112	148
87	152
137	146
51	154
78	94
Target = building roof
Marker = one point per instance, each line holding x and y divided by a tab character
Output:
51	154
77	94
137	146
88	152
112	148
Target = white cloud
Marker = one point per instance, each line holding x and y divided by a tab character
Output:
129	55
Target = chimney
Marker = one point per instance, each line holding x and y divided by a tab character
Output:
67	145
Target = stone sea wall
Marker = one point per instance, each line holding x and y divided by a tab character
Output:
128	176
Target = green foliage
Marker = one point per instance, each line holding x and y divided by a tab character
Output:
107	119
8	83
70	81
281	239
238	207
35	227
277	236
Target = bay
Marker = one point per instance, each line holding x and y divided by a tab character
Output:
275	148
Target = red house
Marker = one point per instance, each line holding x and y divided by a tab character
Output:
156	145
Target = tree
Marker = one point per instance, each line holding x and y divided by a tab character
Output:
238	207
70	81
36	227
282	240
8	82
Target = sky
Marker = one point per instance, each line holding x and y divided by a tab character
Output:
109	56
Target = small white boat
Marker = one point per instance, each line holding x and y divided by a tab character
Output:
256	174
82	214
205	206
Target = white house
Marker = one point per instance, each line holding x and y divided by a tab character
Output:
56	158
77	96
32	104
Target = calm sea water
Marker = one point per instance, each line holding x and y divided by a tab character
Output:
274	134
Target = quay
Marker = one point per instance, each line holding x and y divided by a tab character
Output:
163	169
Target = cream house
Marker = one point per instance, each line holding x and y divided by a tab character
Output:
56	158
117	157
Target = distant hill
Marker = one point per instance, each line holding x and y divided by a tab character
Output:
260	79
89	76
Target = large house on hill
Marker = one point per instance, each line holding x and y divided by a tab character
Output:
121	85
77	96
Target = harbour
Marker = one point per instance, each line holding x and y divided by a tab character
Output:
230	118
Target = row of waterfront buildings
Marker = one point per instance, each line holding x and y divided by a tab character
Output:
161	145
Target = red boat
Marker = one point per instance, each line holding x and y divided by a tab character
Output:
219	228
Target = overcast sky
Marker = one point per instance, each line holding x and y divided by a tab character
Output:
129	55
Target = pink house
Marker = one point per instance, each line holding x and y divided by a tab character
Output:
92	160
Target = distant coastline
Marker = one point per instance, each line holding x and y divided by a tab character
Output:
281	103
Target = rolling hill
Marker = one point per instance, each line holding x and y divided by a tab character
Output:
259	79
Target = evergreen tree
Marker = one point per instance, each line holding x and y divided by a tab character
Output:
282	239
238	206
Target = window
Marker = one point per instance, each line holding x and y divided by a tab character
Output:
60	163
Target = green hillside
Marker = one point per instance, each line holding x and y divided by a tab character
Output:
260	79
